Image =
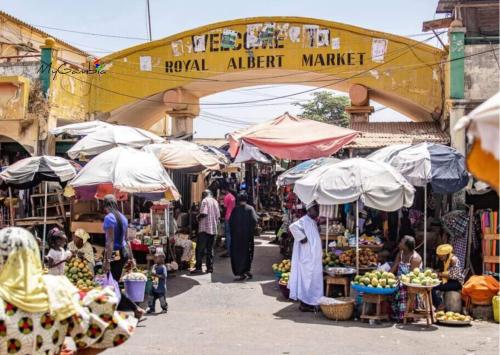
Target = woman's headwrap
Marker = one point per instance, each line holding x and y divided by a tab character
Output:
444	249
82	234
21	275
22	282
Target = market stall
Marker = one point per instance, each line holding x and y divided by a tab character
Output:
30	172
111	172
376	185
440	166
290	137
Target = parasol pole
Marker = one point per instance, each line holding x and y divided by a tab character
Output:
425	225
132	208
326	246
44	238
11	208
357	238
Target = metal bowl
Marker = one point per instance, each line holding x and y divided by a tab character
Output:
339	271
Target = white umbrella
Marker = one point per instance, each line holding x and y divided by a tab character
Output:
178	155
80	128
427	163
129	170
29	172
106	138
378	185
250	152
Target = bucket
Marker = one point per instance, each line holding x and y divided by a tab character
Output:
135	290
496	308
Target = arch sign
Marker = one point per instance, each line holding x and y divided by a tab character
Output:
176	71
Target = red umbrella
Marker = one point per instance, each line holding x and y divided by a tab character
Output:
289	137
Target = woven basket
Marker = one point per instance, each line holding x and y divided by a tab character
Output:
342	311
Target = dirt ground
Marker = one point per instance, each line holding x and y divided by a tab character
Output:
212	314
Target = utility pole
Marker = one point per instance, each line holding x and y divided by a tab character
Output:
149	20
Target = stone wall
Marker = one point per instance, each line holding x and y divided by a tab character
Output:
27	69
481	76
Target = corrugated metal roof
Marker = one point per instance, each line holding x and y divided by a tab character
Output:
40	32
381	134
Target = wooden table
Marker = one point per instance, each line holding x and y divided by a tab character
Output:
377	300
412	311
338	280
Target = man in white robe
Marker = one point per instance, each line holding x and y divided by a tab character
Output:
306	279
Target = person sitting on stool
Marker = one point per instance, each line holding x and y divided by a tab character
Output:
452	274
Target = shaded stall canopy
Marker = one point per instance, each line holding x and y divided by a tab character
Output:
290	137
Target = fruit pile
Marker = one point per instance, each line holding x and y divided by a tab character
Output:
366	257
330	259
135	276
376	279
421	278
79	274
284	266
284	278
451	316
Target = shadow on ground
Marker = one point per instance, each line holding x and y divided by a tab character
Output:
181	283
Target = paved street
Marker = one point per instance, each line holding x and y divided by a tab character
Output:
211	314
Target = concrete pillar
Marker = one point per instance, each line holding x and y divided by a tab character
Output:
182	126
456	110
456	35
46	65
360	108
47	143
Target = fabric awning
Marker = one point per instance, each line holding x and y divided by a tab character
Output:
294	138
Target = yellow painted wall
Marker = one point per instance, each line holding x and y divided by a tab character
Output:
407	77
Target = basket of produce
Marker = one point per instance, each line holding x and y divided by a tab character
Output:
376	282
79	274
135	286
451	318
284	266
283	284
420	279
341	308
367	258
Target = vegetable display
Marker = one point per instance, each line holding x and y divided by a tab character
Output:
78	273
376	279
421	278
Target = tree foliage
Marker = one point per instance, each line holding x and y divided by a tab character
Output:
326	107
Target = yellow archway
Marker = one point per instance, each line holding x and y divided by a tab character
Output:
141	83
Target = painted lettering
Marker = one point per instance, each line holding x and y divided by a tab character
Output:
307	60
257	62
214	42
177	66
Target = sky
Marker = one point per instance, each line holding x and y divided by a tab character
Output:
127	18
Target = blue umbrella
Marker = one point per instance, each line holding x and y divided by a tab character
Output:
441	166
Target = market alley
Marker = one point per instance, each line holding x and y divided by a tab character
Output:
211	314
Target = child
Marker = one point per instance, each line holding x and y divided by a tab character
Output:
159	275
383	257
57	256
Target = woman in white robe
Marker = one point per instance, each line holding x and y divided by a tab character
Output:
306	279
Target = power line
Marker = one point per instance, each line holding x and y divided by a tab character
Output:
91	33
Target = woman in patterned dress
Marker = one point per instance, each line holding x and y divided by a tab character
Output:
407	260
38	311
